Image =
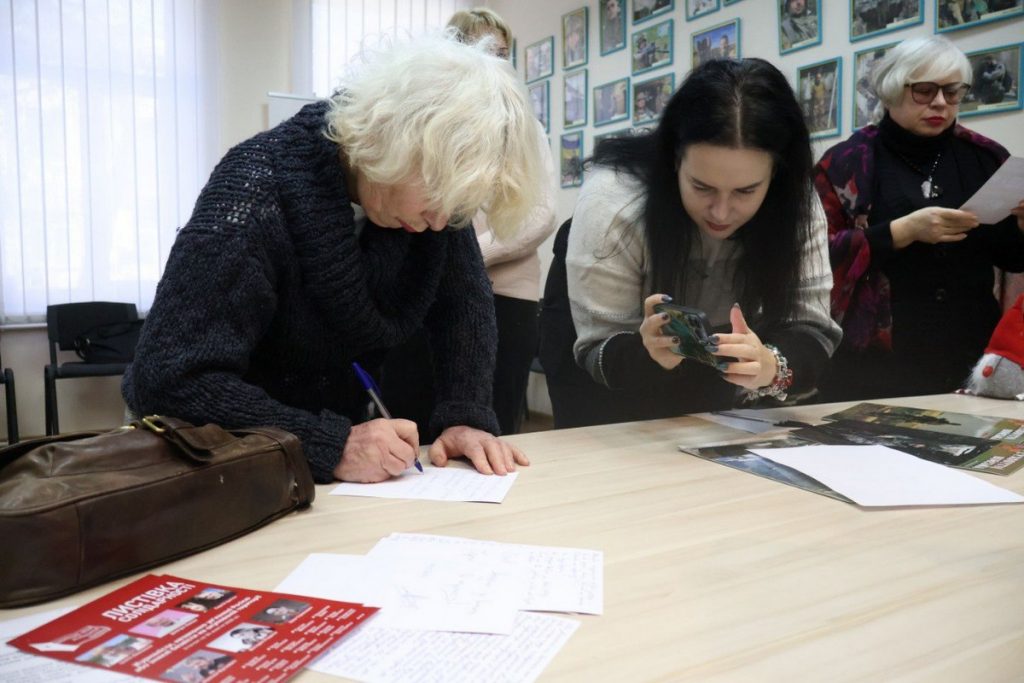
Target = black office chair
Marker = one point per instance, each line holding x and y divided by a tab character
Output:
7	379
112	328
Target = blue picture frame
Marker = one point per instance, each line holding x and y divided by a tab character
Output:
824	115
695	11
802	45
574	99
540	101
702	43
868	19
606	95
655	95
942	11
978	90
539	59
644	57
860	112
570	159
651	9
611	30
580	33
729	2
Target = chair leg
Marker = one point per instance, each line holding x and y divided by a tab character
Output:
12	407
50	398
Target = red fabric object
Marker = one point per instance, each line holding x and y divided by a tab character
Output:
1008	337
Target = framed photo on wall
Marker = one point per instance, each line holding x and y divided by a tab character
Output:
651	97
729	2
996	84
652	47
873	17
540	101
698	8
648	9
864	97
611	102
819	90
721	41
799	24
952	15
620	133
571	159
611	18
540	59
574	99
574	38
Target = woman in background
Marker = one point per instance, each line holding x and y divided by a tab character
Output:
334	237
913	279
513	268
713	210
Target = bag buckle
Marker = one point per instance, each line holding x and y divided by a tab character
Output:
154	423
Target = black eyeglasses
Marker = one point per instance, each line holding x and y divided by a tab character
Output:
924	92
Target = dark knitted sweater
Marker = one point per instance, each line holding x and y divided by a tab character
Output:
270	293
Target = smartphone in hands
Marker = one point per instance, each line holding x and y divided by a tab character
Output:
693	329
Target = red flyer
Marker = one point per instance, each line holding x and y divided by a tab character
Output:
172	629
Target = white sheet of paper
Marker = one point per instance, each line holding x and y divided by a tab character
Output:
557	579
421	593
19	667
1003	191
387	655
878	476
451	483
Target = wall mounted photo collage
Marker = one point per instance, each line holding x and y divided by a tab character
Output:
647	29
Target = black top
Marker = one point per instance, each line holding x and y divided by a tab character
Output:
270	293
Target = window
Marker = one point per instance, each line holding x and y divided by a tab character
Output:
100	139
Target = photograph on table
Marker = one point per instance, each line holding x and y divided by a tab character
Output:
574	38
873	17
651	97
612	21
799	24
648	9
819	91
540	101
698	8
574	99
721	41
652	47
952	15
611	102
571	159
996	84
865	99
540	61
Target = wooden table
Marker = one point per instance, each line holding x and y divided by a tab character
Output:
711	574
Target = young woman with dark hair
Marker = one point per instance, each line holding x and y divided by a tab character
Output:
713	210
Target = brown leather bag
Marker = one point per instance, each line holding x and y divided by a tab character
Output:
80	509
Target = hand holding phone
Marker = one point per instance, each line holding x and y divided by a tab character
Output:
692	328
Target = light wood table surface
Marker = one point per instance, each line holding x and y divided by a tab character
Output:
711	574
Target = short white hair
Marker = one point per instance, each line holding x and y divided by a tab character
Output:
925	58
450	113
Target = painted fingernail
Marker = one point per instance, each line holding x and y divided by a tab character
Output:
712	347
722	366
736	305
665	298
664	316
713	339
675	340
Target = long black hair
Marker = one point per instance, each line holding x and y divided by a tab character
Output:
732	103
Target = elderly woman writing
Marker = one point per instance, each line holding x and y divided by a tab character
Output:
913	277
330	239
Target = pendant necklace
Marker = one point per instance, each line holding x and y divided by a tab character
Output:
929	189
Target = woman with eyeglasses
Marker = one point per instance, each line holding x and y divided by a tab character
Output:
913	277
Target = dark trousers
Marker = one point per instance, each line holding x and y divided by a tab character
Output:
407	374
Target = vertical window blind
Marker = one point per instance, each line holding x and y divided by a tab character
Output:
341	28
100	133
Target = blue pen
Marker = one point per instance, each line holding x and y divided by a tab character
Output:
374	391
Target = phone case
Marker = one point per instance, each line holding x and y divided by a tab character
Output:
693	329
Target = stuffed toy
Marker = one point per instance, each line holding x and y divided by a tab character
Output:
1000	372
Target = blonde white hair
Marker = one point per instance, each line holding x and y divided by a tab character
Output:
925	58
447	114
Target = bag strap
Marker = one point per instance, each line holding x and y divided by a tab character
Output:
198	443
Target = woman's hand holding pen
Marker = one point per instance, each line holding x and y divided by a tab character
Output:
659	345
378	450
755	365
488	453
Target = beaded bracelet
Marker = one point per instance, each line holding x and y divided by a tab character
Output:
780	384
